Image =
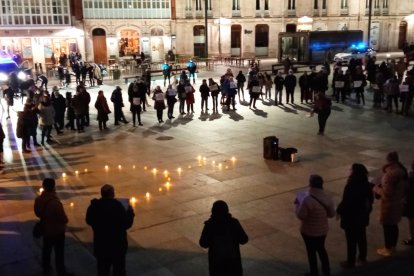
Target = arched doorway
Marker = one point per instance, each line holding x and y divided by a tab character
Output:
199	41
157	44
236	40
402	34
99	46
262	40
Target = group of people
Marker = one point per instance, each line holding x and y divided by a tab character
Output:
396	195
223	234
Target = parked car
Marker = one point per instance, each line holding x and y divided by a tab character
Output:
8	65
354	52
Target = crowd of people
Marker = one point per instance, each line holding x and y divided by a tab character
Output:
223	234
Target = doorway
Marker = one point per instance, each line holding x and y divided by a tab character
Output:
236	40
402	34
99	46
199	41
262	40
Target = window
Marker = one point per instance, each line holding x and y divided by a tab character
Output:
385	4
198	5
262	36
376	4
291	5
324	4
236	5
315	4
266	5
257	5
344	4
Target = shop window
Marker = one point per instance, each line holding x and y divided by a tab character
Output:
129	43
262	35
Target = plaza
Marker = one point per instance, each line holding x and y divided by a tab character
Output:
177	169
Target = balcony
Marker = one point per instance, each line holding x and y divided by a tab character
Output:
188	13
344	11
291	13
385	11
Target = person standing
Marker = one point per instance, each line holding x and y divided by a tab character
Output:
205	93
313	210
222	235
322	107
304	87
354	211
2	137
181	96
50	210
159	103
215	91
46	119
116	98
268	86
189	99
279	80
109	220
171	100
101	105
192	68
59	104
70	113
391	192
290	84
135	91
241	79
359	82
166	72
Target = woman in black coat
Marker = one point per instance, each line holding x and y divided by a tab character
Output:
354	210
222	235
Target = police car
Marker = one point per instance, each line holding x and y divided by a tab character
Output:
355	52
8	65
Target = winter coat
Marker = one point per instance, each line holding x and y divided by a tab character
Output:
109	221
279	82
159	103
103	109
222	237
50	210
59	104
189	94
290	81
313	215
136	90
304	81
241	79
46	115
356	204
392	191
116	98
205	91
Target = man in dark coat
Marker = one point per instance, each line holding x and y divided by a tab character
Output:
135	92
278	81
50	211
116	98
109	220
222	235
290	84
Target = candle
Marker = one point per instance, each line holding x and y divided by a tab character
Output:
63	174
154	171
119	167
169	178
179	170
199	158
147	195
219	165
166	173
85	170
72	204
76	172
160	189
106	167
133	166
168	185
189	166
133	200
233	159
145	167
227	167
41	190
204	159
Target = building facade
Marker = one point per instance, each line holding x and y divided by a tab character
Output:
108	29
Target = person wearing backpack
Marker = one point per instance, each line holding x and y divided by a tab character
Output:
192	68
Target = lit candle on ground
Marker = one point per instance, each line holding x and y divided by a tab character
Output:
41	190
63	174
85	170
133	166
233	159
199	158
133	201
220	165
189	166
168	185
76	172
147	195
72	204
169	178
204	159
119	167
227	167
166	173
179	170
154	171
160	189
106	167
145	167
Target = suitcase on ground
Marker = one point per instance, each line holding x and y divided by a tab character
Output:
286	154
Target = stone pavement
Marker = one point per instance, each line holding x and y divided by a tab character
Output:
168	223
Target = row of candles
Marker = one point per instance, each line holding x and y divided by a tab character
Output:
133	200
